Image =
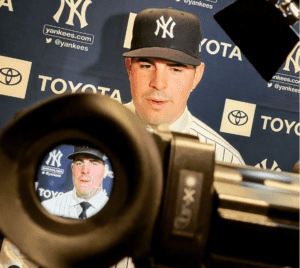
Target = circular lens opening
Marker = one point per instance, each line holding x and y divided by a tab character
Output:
74	181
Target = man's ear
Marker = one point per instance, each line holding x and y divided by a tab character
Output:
128	66
198	74
106	169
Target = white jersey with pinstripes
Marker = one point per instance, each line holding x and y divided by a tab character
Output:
224	151
187	123
68	204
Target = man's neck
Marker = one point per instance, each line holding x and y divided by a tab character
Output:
178	124
88	197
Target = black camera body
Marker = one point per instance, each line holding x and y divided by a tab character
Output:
171	204
249	216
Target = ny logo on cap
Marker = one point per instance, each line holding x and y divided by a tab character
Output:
164	27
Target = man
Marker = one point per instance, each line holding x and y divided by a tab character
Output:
164	67
88	196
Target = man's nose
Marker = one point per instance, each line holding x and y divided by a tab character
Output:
159	79
86	168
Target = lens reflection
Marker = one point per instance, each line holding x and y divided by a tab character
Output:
74	181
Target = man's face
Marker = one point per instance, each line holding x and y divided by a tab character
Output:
87	176
160	88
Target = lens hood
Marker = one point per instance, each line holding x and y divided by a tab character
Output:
124	226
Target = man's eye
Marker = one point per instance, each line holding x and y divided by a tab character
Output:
177	70
79	163
95	163
145	65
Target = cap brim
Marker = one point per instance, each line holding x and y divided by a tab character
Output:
163	53
73	155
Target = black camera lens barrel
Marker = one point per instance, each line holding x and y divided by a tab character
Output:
255	221
124	226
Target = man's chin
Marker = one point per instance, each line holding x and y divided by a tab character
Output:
85	194
154	121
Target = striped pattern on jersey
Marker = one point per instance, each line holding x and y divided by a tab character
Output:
125	263
64	206
223	150
68	204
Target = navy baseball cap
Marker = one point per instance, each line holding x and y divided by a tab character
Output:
166	34
84	150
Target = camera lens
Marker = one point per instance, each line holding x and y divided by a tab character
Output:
74	181
39	152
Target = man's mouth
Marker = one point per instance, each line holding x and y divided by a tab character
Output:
157	103
84	182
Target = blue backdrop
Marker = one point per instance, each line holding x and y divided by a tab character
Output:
54	47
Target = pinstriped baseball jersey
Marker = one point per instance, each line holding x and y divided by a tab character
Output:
224	151
125	263
68	204
187	123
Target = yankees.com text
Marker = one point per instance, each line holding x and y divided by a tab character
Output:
68	34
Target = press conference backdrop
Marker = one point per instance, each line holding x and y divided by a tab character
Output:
55	177
53	47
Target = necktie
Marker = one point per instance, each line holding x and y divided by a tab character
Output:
85	206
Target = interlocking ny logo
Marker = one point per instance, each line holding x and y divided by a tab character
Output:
263	165
238	118
73	10
293	58
54	157
164	27
10	76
